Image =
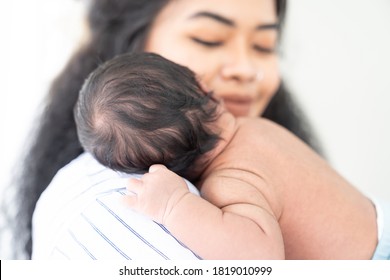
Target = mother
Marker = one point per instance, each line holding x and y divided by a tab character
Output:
231	46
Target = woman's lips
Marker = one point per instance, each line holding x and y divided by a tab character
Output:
238	106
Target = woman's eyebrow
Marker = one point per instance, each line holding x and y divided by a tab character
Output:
267	26
213	16
229	22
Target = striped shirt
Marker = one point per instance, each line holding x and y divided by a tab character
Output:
81	215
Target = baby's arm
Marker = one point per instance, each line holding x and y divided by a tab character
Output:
236	230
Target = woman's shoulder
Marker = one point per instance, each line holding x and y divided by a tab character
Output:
258	123
262	129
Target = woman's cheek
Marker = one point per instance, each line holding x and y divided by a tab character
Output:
272	78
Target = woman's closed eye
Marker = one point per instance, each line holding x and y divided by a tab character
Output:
218	43
265	50
207	43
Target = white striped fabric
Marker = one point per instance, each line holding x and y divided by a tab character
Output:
81	216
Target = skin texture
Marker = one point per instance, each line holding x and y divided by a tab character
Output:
237	41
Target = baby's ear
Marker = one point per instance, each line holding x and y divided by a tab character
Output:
203	86
156	167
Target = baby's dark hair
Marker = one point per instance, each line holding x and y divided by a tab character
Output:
141	109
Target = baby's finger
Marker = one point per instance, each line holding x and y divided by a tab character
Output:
134	185
131	200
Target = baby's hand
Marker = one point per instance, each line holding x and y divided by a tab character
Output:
156	193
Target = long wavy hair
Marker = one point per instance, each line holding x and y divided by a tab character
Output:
116	27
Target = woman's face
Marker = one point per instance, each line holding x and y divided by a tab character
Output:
229	44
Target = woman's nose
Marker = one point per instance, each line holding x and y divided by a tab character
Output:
240	67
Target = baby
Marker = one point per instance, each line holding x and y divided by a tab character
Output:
264	193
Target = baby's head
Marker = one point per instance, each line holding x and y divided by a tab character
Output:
142	109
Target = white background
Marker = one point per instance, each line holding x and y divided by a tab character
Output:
336	60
